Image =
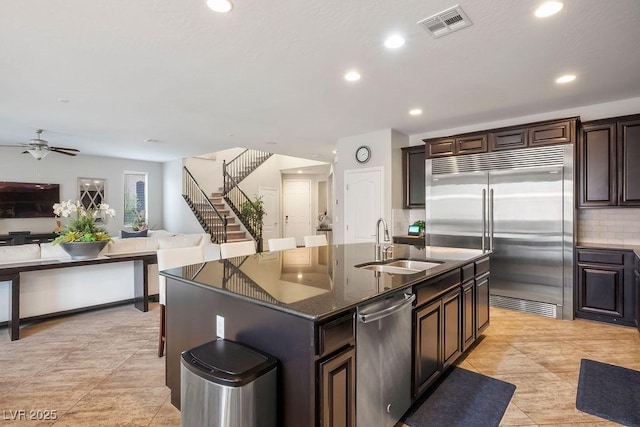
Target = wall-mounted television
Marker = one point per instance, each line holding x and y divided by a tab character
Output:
28	199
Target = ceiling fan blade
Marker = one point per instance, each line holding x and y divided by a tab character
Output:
62	152
15	146
62	148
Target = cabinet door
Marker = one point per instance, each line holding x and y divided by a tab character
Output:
508	139
337	390
413	159
601	291
629	166
440	147
597	165
636	275
451	328
428	346
472	144
552	133
482	303
468	314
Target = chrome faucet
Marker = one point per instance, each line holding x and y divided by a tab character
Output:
381	250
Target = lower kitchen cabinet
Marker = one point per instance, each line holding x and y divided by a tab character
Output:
451	328
604	287
468	314
428	346
482	303
447	324
636	275
338	389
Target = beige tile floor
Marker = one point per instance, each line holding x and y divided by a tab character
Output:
101	368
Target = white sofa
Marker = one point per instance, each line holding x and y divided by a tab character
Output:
52	291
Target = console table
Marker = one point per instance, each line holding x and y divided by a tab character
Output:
11	272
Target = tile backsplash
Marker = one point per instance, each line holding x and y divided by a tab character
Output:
616	225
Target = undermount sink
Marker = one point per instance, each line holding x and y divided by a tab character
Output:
403	266
389	269
413	265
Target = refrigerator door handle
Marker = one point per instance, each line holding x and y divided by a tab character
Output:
491	225
484	218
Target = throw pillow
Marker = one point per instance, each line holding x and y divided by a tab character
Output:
127	234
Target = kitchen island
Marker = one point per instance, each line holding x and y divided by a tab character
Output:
299	306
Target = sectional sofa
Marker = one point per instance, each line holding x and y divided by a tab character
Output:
58	290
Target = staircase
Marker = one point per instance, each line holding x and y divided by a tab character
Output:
234	231
233	173
220	214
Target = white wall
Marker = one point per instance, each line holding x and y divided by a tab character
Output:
177	217
385	152
64	170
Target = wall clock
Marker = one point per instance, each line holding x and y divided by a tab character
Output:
363	154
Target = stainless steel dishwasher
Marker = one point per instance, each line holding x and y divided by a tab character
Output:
383	361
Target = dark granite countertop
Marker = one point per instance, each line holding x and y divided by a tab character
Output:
317	282
617	246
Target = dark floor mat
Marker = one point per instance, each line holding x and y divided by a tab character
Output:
464	399
610	392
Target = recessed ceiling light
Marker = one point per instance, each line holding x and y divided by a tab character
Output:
415	112
566	78
151	141
299	171
548	8
352	76
335	151
394	42
63	100
220	6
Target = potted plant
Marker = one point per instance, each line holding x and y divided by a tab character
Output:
82	237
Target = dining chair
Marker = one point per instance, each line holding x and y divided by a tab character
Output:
171	258
317	240
233	249
282	244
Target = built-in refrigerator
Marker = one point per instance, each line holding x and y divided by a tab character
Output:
519	205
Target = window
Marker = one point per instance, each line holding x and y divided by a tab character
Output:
135	199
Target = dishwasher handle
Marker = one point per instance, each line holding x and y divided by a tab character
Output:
371	317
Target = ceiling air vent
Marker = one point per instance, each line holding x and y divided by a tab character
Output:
446	22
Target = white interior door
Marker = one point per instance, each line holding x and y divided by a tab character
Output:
297	209
271	220
362	204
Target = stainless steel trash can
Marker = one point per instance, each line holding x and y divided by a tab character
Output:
226	384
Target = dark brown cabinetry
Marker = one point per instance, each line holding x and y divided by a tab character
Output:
468	314
413	176
522	136
336	372
636	275
608	154
337	390
428	346
451	328
446	320
604	286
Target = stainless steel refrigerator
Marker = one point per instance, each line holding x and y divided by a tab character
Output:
519	205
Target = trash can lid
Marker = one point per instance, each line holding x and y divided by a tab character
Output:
228	363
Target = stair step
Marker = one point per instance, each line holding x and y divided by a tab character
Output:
236	235
229	240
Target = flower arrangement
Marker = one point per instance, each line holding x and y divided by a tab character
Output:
83	227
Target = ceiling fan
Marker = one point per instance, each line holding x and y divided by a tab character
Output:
39	148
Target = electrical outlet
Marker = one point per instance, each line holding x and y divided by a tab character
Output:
220	326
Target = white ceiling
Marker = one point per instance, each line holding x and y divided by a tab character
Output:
271	71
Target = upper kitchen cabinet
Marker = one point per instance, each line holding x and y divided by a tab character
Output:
463	144
413	176
515	137
608	151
